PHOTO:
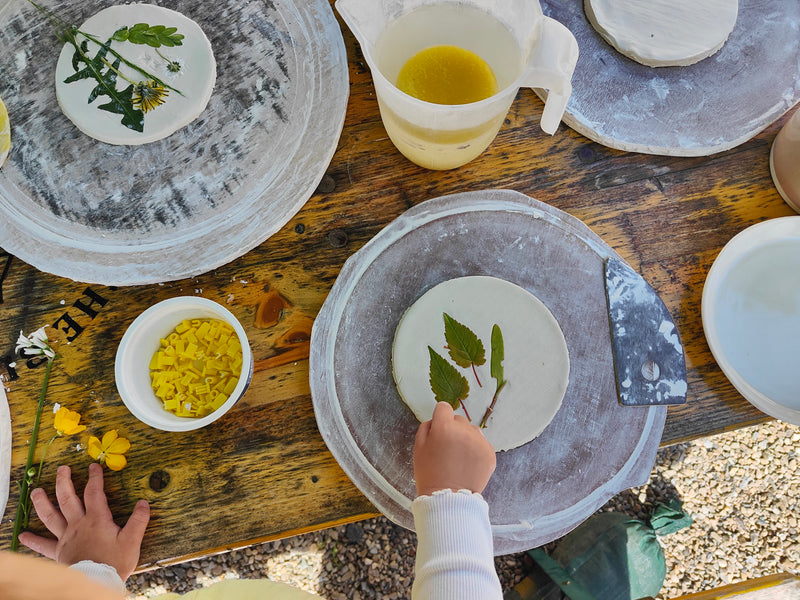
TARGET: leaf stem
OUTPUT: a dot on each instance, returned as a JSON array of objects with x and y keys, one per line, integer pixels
[
  {"x": 24, "y": 505},
  {"x": 118, "y": 72},
  {"x": 490, "y": 410},
  {"x": 52, "y": 17},
  {"x": 172, "y": 65},
  {"x": 476, "y": 375},
  {"x": 464, "y": 406}
]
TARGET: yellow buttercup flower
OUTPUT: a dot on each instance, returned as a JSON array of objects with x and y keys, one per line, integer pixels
[
  {"x": 110, "y": 450},
  {"x": 67, "y": 422}
]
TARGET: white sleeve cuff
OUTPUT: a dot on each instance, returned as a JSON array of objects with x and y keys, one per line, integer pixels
[
  {"x": 101, "y": 573},
  {"x": 455, "y": 555}
]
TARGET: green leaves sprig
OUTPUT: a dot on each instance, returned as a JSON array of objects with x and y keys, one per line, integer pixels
[
  {"x": 467, "y": 351},
  {"x": 155, "y": 36},
  {"x": 139, "y": 97},
  {"x": 105, "y": 73},
  {"x": 495, "y": 370}
]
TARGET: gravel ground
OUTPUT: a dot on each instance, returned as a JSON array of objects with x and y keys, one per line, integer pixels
[{"x": 741, "y": 488}]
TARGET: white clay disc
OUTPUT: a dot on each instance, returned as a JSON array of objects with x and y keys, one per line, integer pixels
[
  {"x": 195, "y": 79},
  {"x": 664, "y": 33},
  {"x": 536, "y": 365}
]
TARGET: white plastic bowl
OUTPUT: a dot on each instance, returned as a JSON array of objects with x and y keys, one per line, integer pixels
[
  {"x": 751, "y": 315},
  {"x": 140, "y": 342}
]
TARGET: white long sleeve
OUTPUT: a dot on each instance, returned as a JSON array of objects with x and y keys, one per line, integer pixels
[
  {"x": 101, "y": 573},
  {"x": 455, "y": 557}
]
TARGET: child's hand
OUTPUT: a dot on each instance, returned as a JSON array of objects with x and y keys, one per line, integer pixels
[
  {"x": 86, "y": 530},
  {"x": 449, "y": 453}
]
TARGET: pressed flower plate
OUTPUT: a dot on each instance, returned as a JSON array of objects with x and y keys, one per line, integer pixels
[{"x": 165, "y": 111}]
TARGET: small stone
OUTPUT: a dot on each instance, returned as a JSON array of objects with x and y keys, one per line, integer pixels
[{"x": 354, "y": 532}]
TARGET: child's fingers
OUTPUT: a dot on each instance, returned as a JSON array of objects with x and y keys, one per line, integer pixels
[
  {"x": 94, "y": 496},
  {"x": 48, "y": 514},
  {"x": 462, "y": 419},
  {"x": 68, "y": 501},
  {"x": 423, "y": 431},
  {"x": 134, "y": 529},
  {"x": 442, "y": 414},
  {"x": 42, "y": 545}
]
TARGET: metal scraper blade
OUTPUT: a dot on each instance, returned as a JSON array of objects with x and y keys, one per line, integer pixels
[{"x": 649, "y": 364}]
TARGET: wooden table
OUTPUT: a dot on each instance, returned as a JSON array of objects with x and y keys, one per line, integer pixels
[{"x": 263, "y": 471}]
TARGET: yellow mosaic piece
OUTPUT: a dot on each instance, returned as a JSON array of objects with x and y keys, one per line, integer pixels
[{"x": 197, "y": 367}]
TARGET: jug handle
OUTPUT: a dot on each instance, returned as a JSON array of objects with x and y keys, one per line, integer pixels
[{"x": 551, "y": 67}]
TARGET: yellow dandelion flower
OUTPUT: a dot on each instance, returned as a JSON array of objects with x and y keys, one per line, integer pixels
[
  {"x": 67, "y": 422},
  {"x": 148, "y": 95},
  {"x": 110, "y": 450}
]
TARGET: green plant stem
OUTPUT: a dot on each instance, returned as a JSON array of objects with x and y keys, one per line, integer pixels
[
  {"x": 52, "y": 17},
  {"x": 68, "y": 36},
  {"x": 41, "y": 460},
  {"x": 134, "y": 66},
  {"x": 164, "y": 57},
  {"x": 490, "y": 409},
  {"x": 118, "y": 72},
  {"x": 24, "y": 505}
]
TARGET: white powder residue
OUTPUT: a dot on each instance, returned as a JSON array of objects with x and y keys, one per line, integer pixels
[
  {"x": 667, "y": 329},
  {"x": 660, "y": 87}
]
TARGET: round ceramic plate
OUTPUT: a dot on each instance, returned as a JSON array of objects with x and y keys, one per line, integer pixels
[
  {"x": 751, "y": 315},
  {"x": 210, "y": 192},
  {"x": 710, "y": 106},
  {"x": 592, "y": 449}
]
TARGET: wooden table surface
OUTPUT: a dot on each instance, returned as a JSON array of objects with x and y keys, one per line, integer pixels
[{"x": 263, "y": 472}]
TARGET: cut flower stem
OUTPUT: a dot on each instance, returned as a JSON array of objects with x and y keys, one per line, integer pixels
[{"x": 24, "y": 505}]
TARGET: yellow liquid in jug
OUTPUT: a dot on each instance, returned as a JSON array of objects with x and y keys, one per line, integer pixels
[
  {"x": 465, "y": 28},
  {"x": 447, "y": 74}
]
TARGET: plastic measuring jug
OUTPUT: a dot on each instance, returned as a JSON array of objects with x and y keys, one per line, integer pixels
[{"x": 523, "y": 47}]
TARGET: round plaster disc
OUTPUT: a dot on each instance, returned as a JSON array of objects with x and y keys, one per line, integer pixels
[
  {"x": 664, "y": 33},
  {"x": 535, "y": 363},
  {"x": 194, "y": 81}
]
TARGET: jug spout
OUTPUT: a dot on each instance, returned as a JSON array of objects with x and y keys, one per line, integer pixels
[
  {"x": 365, "y": 19},
  {"x": 551, "y": 65}
]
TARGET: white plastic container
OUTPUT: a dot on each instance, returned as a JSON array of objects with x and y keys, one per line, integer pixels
[
  {"x": 140, "y": 342},
  {"x": 751, "y": 315},
  {"x": 522, "y": 46}
]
